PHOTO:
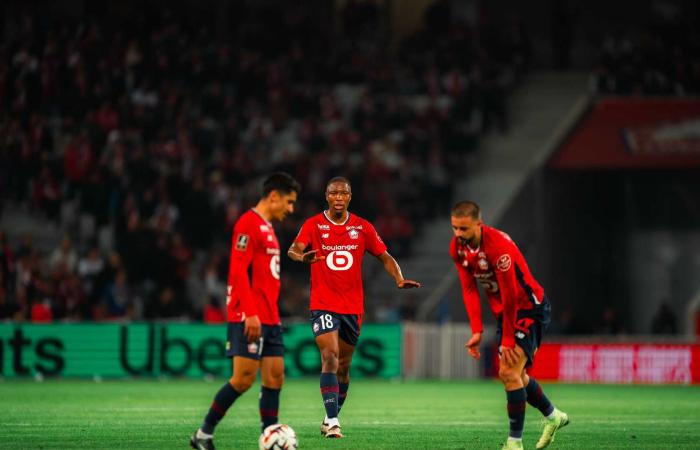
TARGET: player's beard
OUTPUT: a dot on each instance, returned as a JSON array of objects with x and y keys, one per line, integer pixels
[{"x": 464, "y": 241}]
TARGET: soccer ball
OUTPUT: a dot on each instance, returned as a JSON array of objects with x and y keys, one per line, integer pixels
[{"x": 278, "y": 437}]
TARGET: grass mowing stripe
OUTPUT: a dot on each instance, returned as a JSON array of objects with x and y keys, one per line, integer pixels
[{"x": 378, "y": 414}]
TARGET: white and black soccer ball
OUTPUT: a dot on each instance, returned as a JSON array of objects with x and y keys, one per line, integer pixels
[{"x": 278, "y": 437}]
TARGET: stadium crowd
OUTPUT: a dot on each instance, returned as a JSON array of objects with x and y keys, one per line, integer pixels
[
  {"x": 663, "y": 59},
  {"x": 158, "y": 127}
]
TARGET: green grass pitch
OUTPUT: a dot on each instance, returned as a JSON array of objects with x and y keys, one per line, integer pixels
[{"x": 378, "y": 415}]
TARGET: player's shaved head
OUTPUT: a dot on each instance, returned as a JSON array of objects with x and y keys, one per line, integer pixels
[
  {"x": 338, "y": 180},
  {"x": 466, "y": 208}
]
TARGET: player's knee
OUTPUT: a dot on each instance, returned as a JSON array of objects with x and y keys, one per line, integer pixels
[
  {"x": 509, "y": 376},
  {"x": 343, "y": 372},
  {"x": 329, "y": 356},
  {"x": 274, "y": 380},
  {"x": 242, "y": 382}
]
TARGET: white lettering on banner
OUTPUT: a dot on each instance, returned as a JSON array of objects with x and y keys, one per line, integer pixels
[
  {"x": 275, "y": 267},
  {"x": 575, "y": 363},
  {"x": 625, "y": 364},
  {"x": 322, "y": 226},
  {"x": 272, "y": 251},
  {"x": 339, "y": 260},
  {"x": 663, "y": 365},
  {"x": 615, "y": 364},
  {"x": 332, "y": 248}
]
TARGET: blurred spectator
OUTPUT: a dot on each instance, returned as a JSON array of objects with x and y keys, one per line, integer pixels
[
  {"x": 70, "y": 299},
  {"x": 64, "y": 257},
  {"x": 118, "y": 299},
  {"x": 166, "y": 304},
  {"x": 408, "y": 309},
  {"x": 41, "y": 311},
  {"x": 609, "y": 323},
  {"x": 8, "y": 310},
  {"x": 90, "y": 269},
  {"x": 664, "y": 320},
  {"x": 385, "y": 312},
  {"x": 659, "y": 59},
  {"x": 213, "y": 313},
  {"x": 7, "y": 264}
]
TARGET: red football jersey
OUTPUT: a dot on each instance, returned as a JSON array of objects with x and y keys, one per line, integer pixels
[
  {"x": 501, "y": 269},
  {"x": 336, "y": 282},
  {"x": 255, "y": 248}
]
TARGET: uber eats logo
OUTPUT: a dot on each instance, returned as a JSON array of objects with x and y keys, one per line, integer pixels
[
  {"x": 174, "y": 355},
  {"x": 153, "y": 349},
  {"x": 109, "y": 350},
  {"x": 46, "y": 354}
]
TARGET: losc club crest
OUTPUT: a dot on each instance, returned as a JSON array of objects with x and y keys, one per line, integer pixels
[
  {"x": 253, "y": 347},
  {"x": 353, "y": 234},
  {"x": 316, "y": 327},
  {"x": 483, "y": 265},
  {"x": 504, "y": 262}
]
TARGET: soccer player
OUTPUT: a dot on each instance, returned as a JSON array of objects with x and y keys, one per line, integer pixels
[
  {"x": 338, "y": 241},
  {"x": 254, "y": 336},
  {"x": 489, "y": 257}
]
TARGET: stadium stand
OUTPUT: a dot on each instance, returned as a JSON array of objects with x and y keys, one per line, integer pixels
[{"x": 142, "y": 138}]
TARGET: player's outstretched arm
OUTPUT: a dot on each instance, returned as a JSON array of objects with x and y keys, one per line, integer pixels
[
  {"x": 393, "y": 269},
  {"x": 296, "y": 253},
  {"x": 472, "y": 345}
]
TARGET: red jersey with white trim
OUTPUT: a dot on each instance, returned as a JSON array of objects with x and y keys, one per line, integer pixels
[
  {"x": 501, "y": 269},
  {"x": 254, "y": 249},
  {"x": 336, "y": 282}
]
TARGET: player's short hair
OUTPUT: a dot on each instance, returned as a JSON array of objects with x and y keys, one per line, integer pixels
[
  {"x": 338, "y": 180},
  {"x": 281, "y": 182},
  {"x": 466, "y": 208}
]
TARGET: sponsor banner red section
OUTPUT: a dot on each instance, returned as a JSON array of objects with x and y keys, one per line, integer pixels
[
  {"x": 618, "y": 363},
  {"x": 624, "y": 133}
]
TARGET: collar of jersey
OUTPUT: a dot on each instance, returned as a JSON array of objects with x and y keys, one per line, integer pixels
[
  {"x": 260, "y": 215},
  {"x": 339, "y": 224}
]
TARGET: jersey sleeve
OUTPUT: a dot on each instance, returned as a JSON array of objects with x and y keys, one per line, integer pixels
[
  {"x": 502, "y": 261},
  {"x": 373, "y": 243},
  {"x": 470, "y": 294},
  {"x": 242, "y": 251},
  {"x": 304, "y": 235}
]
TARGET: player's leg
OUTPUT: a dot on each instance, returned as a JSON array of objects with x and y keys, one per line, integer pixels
[
  {"x": 554, "y": 419},
  {"x": 349, "y": 334},
  {"x": 325, "y": 325},
  {"x": 272, "y": 373},
  {"x": 245, "y": 364},
  {"x": 344, "y": 361},
  {"x": 535, "y": 395},
  {"x": 510, "y": 375},
  {"x": 244, "y": 373},
  {"x": 329, "y": 348}
]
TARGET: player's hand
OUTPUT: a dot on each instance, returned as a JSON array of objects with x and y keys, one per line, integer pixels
[
  {"x": 310, "y": 257},
  {"x": 510, "y": 356},
  {"x": 407, "y": 284},
  {"x": 472, "y": 345},
  {"x": 252, "y": 328}
]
